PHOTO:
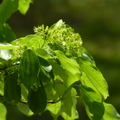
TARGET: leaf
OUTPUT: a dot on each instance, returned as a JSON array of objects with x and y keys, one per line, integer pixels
[
  {"x": 12, "y": 91},
  {"x": 110, "y": 113},
  {"x": 24, "y": 93},
  {"x": 29, "y": 69},
  {"x": 24, "y": 5},
  {"x": 1, "y": 88},
  {"x": 69, "y": 64},
  {"x": 24, "y": 109},
  {"x": 3, "y": 112},
  {"x": 71, "y": 79},
  {"x": 50, "y": 91},
  {"x": 37, "y": 100},
  {"x": 69, "y": 102},
  {"x": 96, "y": 79},
  {"x": 35, "y": 41},
  {"x": 58, "y": 71},
  {"x": 1, "y": 91},
  {"x": 88, "y": 59},
  {"x": 5, "y": 54},
  {"x": 7, "y": 7},
  {"x": 54, "y": 109},
  {"x": 6, "y": 34},
  {"x": 93, "y": 103},
  {"x": 7, "y": 46},
  {"x": 43, "y": 54}
]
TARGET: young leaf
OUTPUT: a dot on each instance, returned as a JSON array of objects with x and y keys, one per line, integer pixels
[
  {"x": 7, "y": 7},
  {"x": 24, "y": 5},
  {"x": 29, "y": 68},
  {"x": 35, "y": 41},
  {"x": 110, "y": 113},
  {"x": 37, "y": 100},
  {"x": 3, "y": 112},
  {"x": 12, "y": 91}
]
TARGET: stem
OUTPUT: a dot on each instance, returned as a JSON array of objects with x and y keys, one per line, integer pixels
[
  {"x": 25, "y": 102},
  {"x": 8, "y": 66}
]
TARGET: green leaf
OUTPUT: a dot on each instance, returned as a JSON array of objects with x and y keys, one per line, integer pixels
[
  {"x": 5, "y": 54},
  {"x": 24, "y": 109},
  {"x": 12, "y": 91},
  {"x": 6, "y": 34},
  {"x": 1, "y": 88},
  {"x": 54, "y": 109},
  {"x": 50, "y": 91},
  {"x": 68, "y": 109},
  {"x": 93, "y": 102},
  {"x": 37, "y": 100},
  {"x": 3, "y": 112},
  {"x": 110, "y": 113},
  {"x": 95, "y": 78},
  {"x": 24, "y": 5},
  {"x": 58, "y": 71},
  {"x": 7, "y": 46},
  {"x": 69, "y": 64},
  {"x": 1, "y": 91},
  {"x": 71, "y": 79},
  {"x": 29, "y": 70},
  {"x": 43, "y": 54},
  {"x": 24, "y": 93},
  {"x": 87, "y": 57},
  {"x": 7, "y": 7},
  {"x": 35, "y": 41}
]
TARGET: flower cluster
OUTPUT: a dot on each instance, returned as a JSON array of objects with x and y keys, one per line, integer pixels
[{"x": 61, "y": 37}]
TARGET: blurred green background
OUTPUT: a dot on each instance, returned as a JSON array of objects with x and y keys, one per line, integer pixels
[{"x": 97, "y": 21}]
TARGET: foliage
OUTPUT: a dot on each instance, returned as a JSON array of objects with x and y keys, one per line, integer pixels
[{"x": 50, "y": 70}]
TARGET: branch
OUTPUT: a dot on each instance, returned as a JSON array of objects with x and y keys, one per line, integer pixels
[
  {"x": 25, "y": 102},
  {"x": 8, "y": 66}
]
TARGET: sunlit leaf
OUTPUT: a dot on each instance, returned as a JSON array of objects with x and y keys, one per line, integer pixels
[
  {"x": 7, "y": 47},
  {"x": 69, "y": 64},
  {"x": 7, "y": 7},
  {"x": 87, "y": 57},
  {"x": 24, "y": 108},
  {"x": 1, "y": 88},
  {"x": 68, "y": 109},
  {"x": 3, "y": 112},
  {"x": 110, "y": 113},
  {"x": 35, "y": 41},
  {"x": 54, "y": 109},
  {"x": 96, "y": 78},
  {"x": 59, "y": 71},
  {"x": 43, "y": 54},
  {"x": 5, "y": 54},
  {"x": 71, "y": 79},
  {"x": 24, "y": 5}
]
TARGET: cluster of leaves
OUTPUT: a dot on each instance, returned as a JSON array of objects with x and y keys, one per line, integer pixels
[{"x": 51, "y": 70}]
